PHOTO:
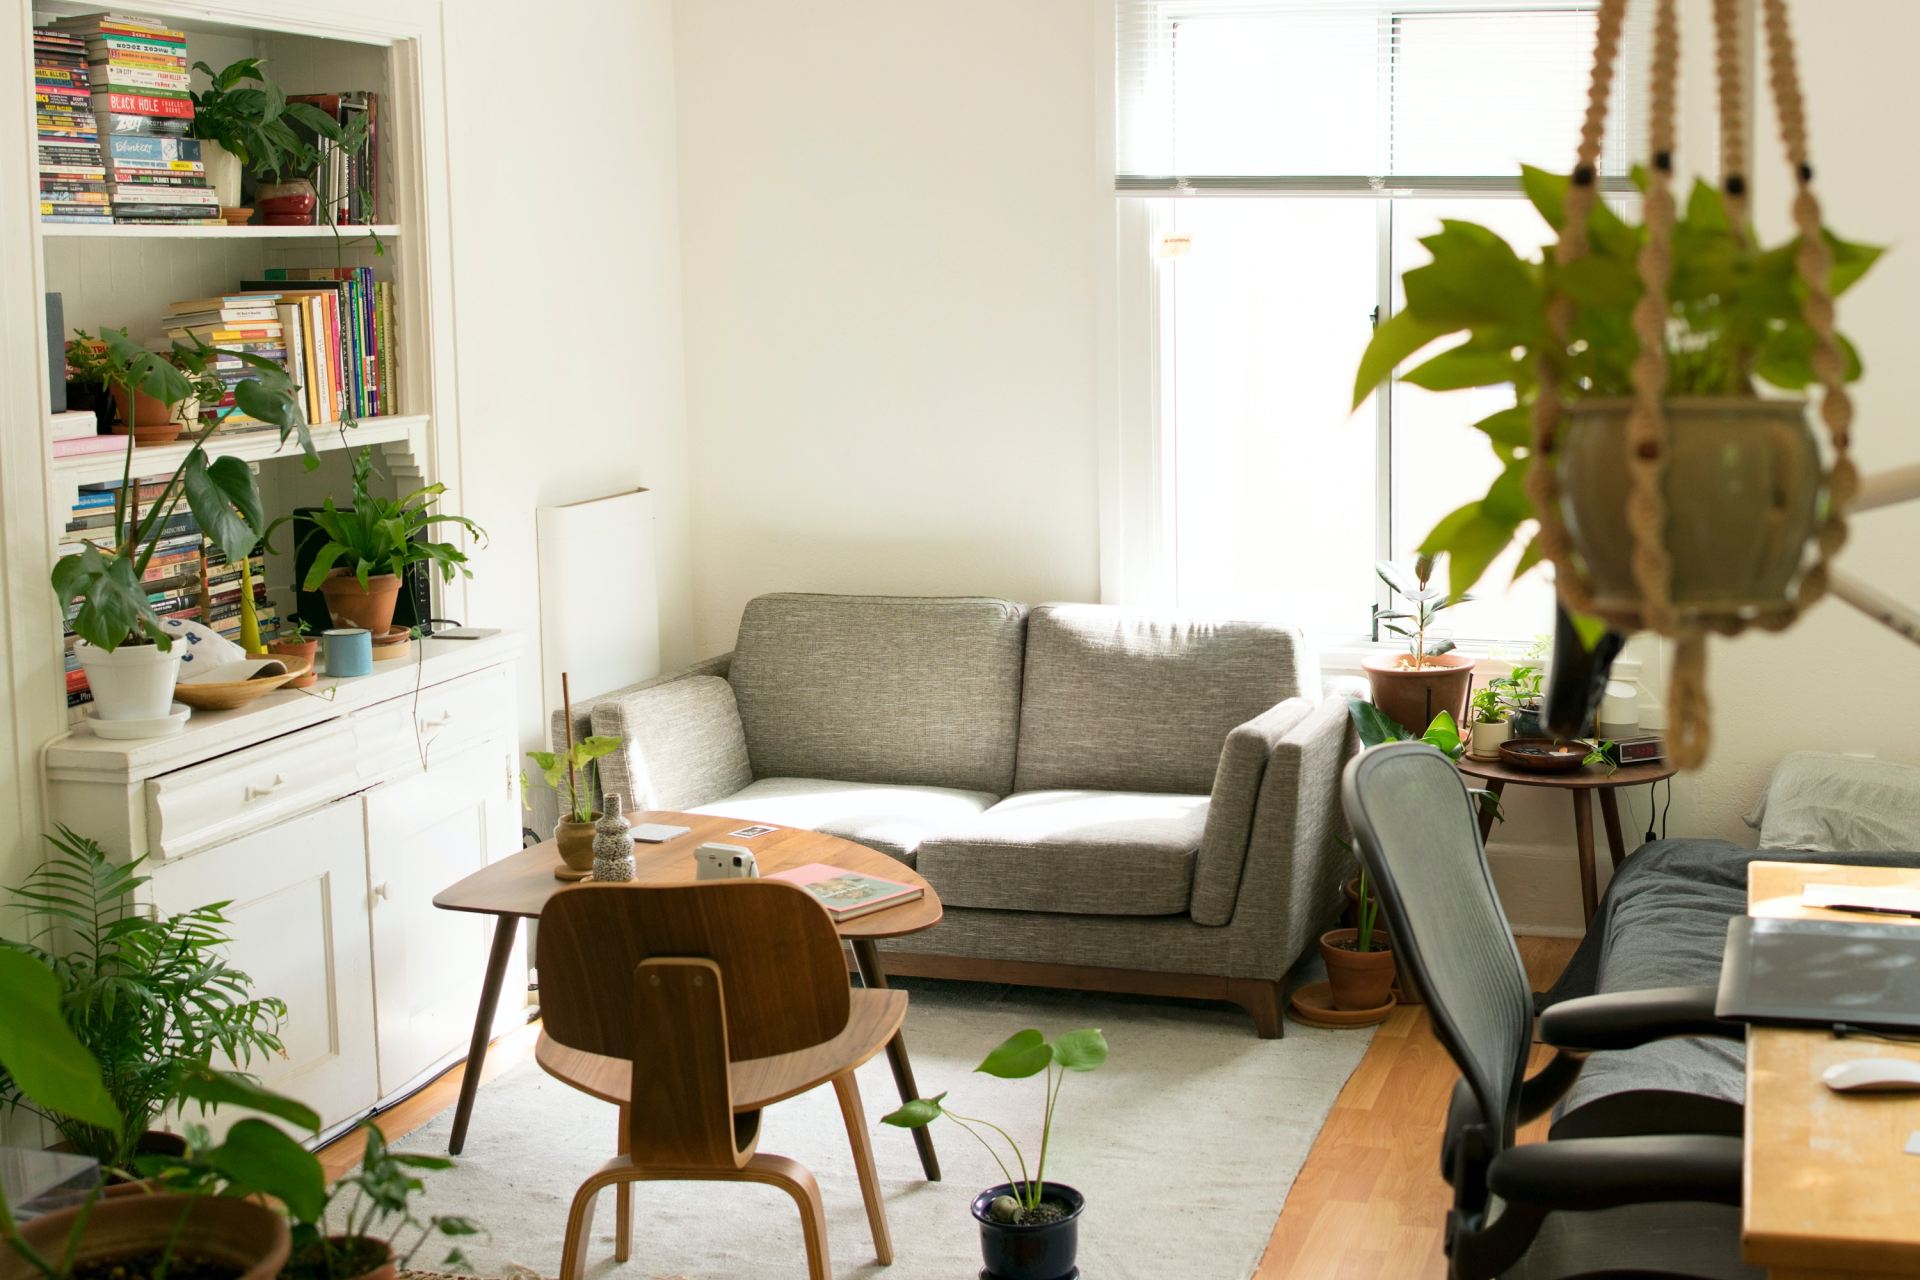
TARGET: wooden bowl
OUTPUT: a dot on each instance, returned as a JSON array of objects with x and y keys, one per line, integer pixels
[
  {"x": 228, "y": 694},
  {"x": 1544, "y": 755}
]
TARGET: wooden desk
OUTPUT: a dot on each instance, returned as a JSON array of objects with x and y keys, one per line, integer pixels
[
  {"x": 1580, "y": 785},
  {"x": 518, "y": 887},
  {"x": 1830, "y": 1194}
]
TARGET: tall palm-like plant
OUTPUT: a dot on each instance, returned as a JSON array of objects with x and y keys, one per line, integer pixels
[{"x": 151, "y": 996}]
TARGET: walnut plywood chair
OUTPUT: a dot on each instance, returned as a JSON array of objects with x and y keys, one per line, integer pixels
[{"x": 692, "y": 1008}]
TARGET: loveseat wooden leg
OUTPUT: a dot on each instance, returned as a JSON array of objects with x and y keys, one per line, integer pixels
[{"x": 1263, "y": 998}]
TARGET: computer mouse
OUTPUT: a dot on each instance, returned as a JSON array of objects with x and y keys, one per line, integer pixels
[{"x": 1873, "y": 1075}]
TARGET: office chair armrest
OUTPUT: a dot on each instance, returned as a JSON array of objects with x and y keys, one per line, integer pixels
[
  {"x": 1606, "y": 1173},
  {"x": 1629, "y": 1019}
]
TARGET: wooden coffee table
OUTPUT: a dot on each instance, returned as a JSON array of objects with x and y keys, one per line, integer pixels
[{"x": 518, "y": 887}]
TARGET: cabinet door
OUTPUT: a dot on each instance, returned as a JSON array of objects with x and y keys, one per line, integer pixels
[
  {"x": 299, "y": 928},
  {"x": 424, "y": 832}
]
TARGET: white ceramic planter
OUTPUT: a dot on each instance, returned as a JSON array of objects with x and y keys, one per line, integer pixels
[
  {"x": 223, "y": 173},
  {"x": 134, "y": 682},
  {"x": 1488, "y": 737}
]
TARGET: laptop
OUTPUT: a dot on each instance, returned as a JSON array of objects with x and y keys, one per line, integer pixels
[{"x": 1821, "y": 972}]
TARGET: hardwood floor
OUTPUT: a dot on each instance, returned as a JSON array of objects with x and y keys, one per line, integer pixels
[
  {"x": 1370, "y": 1202},
  {"x": 1368, "y": 1205}
]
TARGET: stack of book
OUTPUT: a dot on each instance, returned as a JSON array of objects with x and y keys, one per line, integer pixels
[
  {"x": 138, "y": 72},
  {"x": 224, "y": 591},
  {"x": 361, "y": 332},
  {"x": 77, "y": 432},
  {"x": 73, "y": 181},
  {"x": 348, "y": 183},
  {"x": 236, "y": 322},
  {"x": 174, "y": 579}
]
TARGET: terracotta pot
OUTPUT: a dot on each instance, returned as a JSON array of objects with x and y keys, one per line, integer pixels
[
  {"x": 239, "y": 1233},
  {"x": 1360, "y": 979},
  {"x": 1413, "y": 696},
  {"x": 308, "y": 648},
  {"x": 153, "y": 422},
  {"x": 1742, "y": 482},
  {"x": 576, "y": 842},
  {"x": 1405, "y": 990},
  {"x": 388, "y": 1268},
  {"x": 351, "y": 605}
]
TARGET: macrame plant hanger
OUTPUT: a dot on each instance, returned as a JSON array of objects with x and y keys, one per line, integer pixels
[{"x": 1648, "y": 431}]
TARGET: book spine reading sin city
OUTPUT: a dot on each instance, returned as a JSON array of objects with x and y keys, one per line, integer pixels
[
  {"x": 73, "y": 180},
  {"x": 137, "y": 77}
]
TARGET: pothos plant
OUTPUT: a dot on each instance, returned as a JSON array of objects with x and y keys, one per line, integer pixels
[
  {"x": 570, "y": 769},
  {"x": 244, "y": 111},
  {"x": 105, "y": 576},
  {"x": 1735, "y": 322},
  {"x": 1021, "y": 1056}
]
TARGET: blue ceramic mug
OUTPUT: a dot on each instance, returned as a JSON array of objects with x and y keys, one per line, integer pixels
[{"x": 349, "y": 651}]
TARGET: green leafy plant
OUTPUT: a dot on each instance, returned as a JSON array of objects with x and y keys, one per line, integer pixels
[
  {"x": 1487, "y": 705},
  {"x": 150, "y": 996},
  {"x": 1497, "y": 699},
  {"x": 565, "y": 768},
  {"x": 1603, "y": 752},
  {"x": 1426, "y": 602},
  {"x": 372, "y": 1216},
  {"x": 221, "y": 493},
  {"x": 294, "y": 629},
  {"x": 1735, "y": 321},
  {"x": 244, "y": 111},
  {"x": 1373, "y": 727},
  {"x": 377, "y": 535},
  {"x": 1022, "y": 1055}
]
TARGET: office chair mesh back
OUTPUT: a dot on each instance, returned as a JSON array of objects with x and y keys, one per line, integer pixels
[{"x": 1417, "y": 836}]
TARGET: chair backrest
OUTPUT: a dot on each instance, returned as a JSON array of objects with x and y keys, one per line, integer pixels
[
  {"x": 1418, "y": 838},
  {"x": 783, "y": 972}
]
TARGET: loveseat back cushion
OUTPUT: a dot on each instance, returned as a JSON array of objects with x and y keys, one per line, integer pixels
[
  {"x": 903, "y": 689},
  {"x": 1121, "y": 701}
]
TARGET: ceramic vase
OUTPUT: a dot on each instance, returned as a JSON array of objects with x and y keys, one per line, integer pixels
[
  {"x": 613, "y": 844},
  {"x": 223, "y": 172}
]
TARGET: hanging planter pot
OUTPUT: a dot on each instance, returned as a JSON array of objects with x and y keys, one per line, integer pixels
[{"x": 1742, "y": 482}]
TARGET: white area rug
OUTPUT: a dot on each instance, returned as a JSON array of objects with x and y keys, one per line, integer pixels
[{"x": 1185, "y": 1145}]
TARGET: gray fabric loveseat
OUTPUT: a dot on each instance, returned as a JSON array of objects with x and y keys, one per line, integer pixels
[{"x": 1104, "y": 800}]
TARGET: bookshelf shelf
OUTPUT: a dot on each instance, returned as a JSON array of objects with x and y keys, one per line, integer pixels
[
  {"x": 124, "y": 231},
  {"x": 250, "y": 447}
]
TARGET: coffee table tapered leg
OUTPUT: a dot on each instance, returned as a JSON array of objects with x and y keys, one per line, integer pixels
[
  {"x": 867, "y": 956},
  {"x": 504, "y": 929}
]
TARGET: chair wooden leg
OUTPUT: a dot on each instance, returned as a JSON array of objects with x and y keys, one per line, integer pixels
[
  {"x": 573, "y": 1250},
  {"x": 848, "y": 1091},
  {"x": 797, "y": 1181},
  {"x": 623, "y": 1200}
]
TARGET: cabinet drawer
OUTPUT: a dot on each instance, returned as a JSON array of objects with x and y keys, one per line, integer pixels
[
  {"x": 403, "y": 733},
  {"x": 192, "y": 808}
]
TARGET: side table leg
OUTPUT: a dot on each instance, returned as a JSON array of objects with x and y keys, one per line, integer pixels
[
  {"x": 504, "y": 929},
  {"x": 1497, "y": 786},
  {"x": 1610, "y": 814},
  {"x": 871, "y": 975},
  {"x": 1583, "y": 835}
]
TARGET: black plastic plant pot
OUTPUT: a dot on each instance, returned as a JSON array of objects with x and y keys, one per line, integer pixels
[{"x": 1043, "y": 1251}]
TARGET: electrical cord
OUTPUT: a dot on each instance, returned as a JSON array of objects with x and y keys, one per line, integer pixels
[{"x": 1844, "y": 1030}]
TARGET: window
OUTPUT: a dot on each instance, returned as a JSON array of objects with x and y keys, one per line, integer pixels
[{"x": 1279, "y": 162}]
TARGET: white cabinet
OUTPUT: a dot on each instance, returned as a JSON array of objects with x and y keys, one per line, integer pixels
[
  {"x": 299, "y": 927},
  {"x": 423, "y": 833}
]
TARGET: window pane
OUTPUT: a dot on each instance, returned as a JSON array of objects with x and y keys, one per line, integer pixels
[
  {"x": 1270, "y": 477},
  {"x": 1439, "y": 461}
]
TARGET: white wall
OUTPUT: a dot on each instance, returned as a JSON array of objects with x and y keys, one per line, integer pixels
[
  {"x": 567, "y": 295},
  {"x": 887, "y": 210}
]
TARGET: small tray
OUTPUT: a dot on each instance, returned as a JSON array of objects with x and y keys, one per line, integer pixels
[
  {"x": 397, "y": 643},
  {"x": 228, "y": 694},
  {"x": 1544, "y": 755},
  {"x": 1313, "y": 1005}
]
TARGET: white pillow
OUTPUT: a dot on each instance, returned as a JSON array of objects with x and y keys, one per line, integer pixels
[{"x": 1839, "y": 804}]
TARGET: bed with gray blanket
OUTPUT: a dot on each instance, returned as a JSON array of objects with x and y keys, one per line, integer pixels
[{"x": 1663, "y": 923}]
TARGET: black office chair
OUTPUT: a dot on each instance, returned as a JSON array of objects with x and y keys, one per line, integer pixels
[{"x": 1658, "y": 1204}]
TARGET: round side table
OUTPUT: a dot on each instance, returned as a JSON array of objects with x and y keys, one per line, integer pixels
[{"x": 1581, "y": 784}]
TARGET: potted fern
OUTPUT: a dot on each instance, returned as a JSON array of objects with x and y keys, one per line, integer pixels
[
  {"x": 128, "y": 656},
  {"x": 150, "y": 996},
  {"x": 1029, "y": 1227}
]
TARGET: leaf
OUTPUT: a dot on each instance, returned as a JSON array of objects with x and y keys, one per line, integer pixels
[
  {"x": 115, "y": 601},
  {"x": 1529, "y": 557},
  {"x": 226, "y": 1088},
  {"x": 258, "y": 1157},
  {"x": 1080, "y": 1050},
  {"x": 225, "y": 502},
  {"x": 1372, "y": 725},
  {"x": 1475, "y": 278},
  {"x": 915, "y": 1114},
  {"x": 1444, "y": 734},
  {"x": 1511, "y": 427},
  {"x": 1706, "y": 208},
  {"x": 1395, "y": 340},
  {"x": 1475, "y": 545},
  {"x": 45, "y": 1060},
  {"x": 1464, "y": 366},
  {"x": 1605, "y": 283},
  {"x": 1402, "y": 582},
  {"x": 1588, "y": 628},
  {"x": 1022, "y": 1054}
]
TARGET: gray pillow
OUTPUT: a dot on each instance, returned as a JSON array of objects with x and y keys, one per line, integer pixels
[{"x": 1832, "y": 803}]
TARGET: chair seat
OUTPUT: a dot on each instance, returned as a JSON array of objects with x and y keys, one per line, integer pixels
[
  {"x": 893, "y": 819},
  {"x": 872, "y": 1020}
]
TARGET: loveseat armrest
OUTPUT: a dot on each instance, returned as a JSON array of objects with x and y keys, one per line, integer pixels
[
  {"x": 682, "y": 744},
  {"x": 583, "y": 709},
  {"x": 1237, "y": 779}
]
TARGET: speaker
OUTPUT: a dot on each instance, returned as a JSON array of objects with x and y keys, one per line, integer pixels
[{"x": 413, "y": 608}]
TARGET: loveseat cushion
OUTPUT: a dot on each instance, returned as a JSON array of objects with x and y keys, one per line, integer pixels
[
  {"x": 1121, "y": 701},
  {"x": 1075, "y": 852},
  {"x": 892, "y": 819},
  {"x": 896, "y": 689}
]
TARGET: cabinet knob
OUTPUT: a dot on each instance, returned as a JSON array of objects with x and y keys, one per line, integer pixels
[
  {"x": 383, "y": 891},
  {"x": 256, "y": 792}
]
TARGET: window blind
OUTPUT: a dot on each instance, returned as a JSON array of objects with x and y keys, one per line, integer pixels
[{"x": 1343, "y": 96}]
